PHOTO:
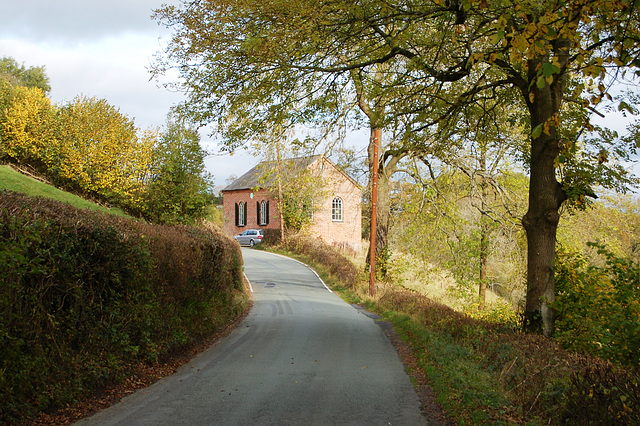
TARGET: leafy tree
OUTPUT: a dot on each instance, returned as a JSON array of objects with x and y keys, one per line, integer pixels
[
  {"x": 554, "y": 55},
  {"x": 461, "y": 230},
  {"x": 19, "y": 75},
  {"x": 178, "y": 190},
  {"x": 485, "y": 159},
  {"x": 102, "y": 153},
  {"x": 298, "y": 201},
  {"x": 27, "y": 126}
]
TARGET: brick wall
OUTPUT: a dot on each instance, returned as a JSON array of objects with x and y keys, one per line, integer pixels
[
  {"x": 348, "y": 231},
  {"x": 231, "y": 198}
]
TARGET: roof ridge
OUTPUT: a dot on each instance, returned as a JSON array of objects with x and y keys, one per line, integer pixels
[{"x": 251, "y": 179}]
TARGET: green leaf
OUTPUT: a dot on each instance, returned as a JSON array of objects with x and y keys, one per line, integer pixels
[
  {"x": 498, "y": 36},
  {"x": 625, "y": 107},
  {"x": 548, "y": 69},
  {"x": 537, "y": 131},
  {"x": 541, "y": 82}
]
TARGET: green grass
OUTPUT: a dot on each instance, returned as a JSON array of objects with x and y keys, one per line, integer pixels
[{"x": 15, "y": 181}]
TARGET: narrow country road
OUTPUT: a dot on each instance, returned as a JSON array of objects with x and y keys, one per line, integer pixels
[{"x": 301, "y": 357}]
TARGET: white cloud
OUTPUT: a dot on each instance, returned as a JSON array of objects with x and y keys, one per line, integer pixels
[
  {"x": 115, "y": 69},
  {"x": 94, "y": 48}
]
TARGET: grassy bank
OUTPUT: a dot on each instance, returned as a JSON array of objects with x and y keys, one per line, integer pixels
[
  {"x": 13, "y": 180},
  {"x": 487, "y": 372}
]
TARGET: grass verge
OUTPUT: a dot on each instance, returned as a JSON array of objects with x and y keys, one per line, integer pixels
[{"x": 485, "y": 372}]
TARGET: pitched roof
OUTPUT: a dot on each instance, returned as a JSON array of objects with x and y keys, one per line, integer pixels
[{"x": 262, "y": 174}]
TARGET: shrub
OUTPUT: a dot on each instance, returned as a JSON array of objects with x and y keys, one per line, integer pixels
[
  {"x": 599, "y": 306},
  {"x": 319, "y": 252},
  {"x": 604, "y": 394},
  {"x": 498, "y": 312},
  {"x": 27, "y": 126},
  {"x": 271, "y": 237},
  {"x": 86, "y": 296}
]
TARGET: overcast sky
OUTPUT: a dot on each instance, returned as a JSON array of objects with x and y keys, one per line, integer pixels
[{"x": 101, "y": 49}]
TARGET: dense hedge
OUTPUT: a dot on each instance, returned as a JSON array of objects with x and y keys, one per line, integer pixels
[
  {"x": 319, "y": 252},
  {"x": 85, "y": 296}
]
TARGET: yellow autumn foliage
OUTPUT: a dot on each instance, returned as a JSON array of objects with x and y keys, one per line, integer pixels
[
  {"x": 28, "y": 127},
  {"x": 103, "y": 151},
  {"x": 86, "y": 145}
]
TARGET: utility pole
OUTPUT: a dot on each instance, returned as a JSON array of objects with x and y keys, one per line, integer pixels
[
  {"x": 374, "y": 212},
  {"x": 280, "y": 200}
]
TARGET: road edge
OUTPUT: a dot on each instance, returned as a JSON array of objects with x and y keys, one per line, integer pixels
[{"x": 429, "y": 407}]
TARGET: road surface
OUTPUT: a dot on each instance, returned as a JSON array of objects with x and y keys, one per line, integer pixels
[{"x": 301, "y": 357}]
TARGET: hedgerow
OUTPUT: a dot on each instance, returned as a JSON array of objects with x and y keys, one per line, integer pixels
[
  {"x": 85, "y": 296},
  {"x": 319, "y": 252}
]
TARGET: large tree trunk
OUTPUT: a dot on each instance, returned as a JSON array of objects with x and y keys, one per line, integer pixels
[
  {"x": 540, "y": 224},
  {"x": 541, "y": 220},
  {"x": 484, "y": 227}
]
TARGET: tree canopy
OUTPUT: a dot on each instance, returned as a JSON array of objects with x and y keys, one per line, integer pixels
[
  {"x": 178, "y": 188},
  {"x": 248, "y": 64},
  {"x": 20, "y": 75}
]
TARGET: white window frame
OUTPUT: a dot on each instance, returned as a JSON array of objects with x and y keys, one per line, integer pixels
[
  {"x": 336, "y": 209},
  {"x": 242, "y": 214},
  {"x": 264, "y": 212}
]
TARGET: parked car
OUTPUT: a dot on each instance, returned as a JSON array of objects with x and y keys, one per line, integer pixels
[{"x": 250, "y": 237}]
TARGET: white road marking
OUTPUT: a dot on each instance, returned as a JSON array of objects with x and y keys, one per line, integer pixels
[{"x": 248, "y": 281}]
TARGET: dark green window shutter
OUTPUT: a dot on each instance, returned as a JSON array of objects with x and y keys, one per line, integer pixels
[{"x": 258, "y": 213}]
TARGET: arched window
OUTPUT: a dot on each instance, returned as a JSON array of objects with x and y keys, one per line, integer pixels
[
  {"x": 241, "y": 214},
  {"x": 336, "y": 209}
]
